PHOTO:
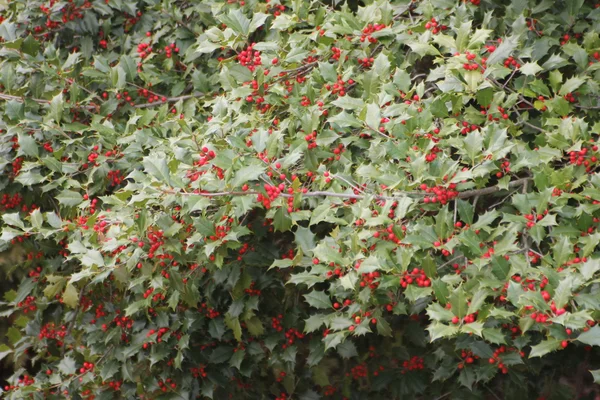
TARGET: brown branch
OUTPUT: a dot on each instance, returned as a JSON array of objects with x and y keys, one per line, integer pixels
[
  {"x": 491, "y": 189},
  {"x": 40, "y": 101}
]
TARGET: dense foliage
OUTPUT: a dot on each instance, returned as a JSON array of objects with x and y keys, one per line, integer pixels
[{"x": 300, "y": 200}]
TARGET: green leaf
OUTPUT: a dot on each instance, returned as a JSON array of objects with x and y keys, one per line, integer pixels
[
  {"x": 282, "y": 221},
  {"x": 373, "y": 116},
  {"x": 318, "y": 299},
  {"x": 92, "y": 257},
  {"x": 347, "y": 350},
  {"x": 563, "y": 292},
  {"x": 562, "y": 250},
  {"x": 72, "y": 59},
  {"x": 530, "y": 68},
  {"x": 544, "y": 347},
  {"x": 67, "y": 366},
  {"x": 473, "y": 143},
  {"x": 467, "y": 377},
  {"x": 30, "y": 45},
  {"x": 438, "y": 330},
  {"x": 14, "y": 110},
  {"x": 458, "y": 301},
  {"x": 305, "y": 239},
  {"x": 57, "y": 107},
  {"x": 333, "y": 340},
  {"x": 69, "y": 198},
  {"x": 505, "y": 49},
  {"x": 28, "y": 145},
  {"x": 246, "y": 174},
  {"x": 596, "y": 375},
  {"x": 13, "y": 219},
  {"x": 237, "y": 21},
  {"x": 571, "y": 85},
  {"x": 348, "y": 103},
  {"x": 36, "y": 218},
  {"x": 258, "y": 20},
  {"x": 70, "y": 297},
  {"x": 479, "y": 37},
  {"x": 381, "y": 65},
  {"x": 591, "y": 337},
  {"x": 255, "y": 326},
  {"x": 234, "y": 325},
  {"x": 589, "y": 268},
  {"x": 156, "y": 165},
  {"x": 313, "y": 323}
]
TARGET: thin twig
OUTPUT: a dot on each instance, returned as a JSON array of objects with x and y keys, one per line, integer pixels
[
  {"x": 170, "y": 100},
  {"x": 450, "y": 262}
]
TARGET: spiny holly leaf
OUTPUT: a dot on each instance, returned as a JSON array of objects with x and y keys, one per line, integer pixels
[
  {"x": 591, "y": 337},
  {"x": 318, "y": 299},
  {"x": 544, "y": 347}
]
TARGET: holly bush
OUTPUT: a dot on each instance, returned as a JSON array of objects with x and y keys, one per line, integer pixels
[{"x": 299, "y": 199}]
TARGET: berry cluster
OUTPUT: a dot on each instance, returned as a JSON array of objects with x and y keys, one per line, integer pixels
[
  {"x": 369, "y": 279},
  {"x": 336, "y": 53},
  {"x": 339, "y": 87},
  {"x": 209, "y": 312},
  {"x": 35, "y": 273},
  {"x": 249, "y": 57},
  {"x": 467, "y": 319},
  {"x": 416, "y": 276},
  {"x": 434, "y": 26},
  {"x": 50, "y": 331},
  {"x": 199, "y": 371},
  {"x": 114, "y": 385},
  {"x": 276, "y": 9},
  {"x": 144, "y": 50},
  {"x": 505, "y": 166},
  {"x": 291, "y": 335},
  {"x": 511, "y": 62},
  {"x": 468, "y": 358},
  {"x": 368, "y": 30},
  {"x": 25, "y": 380},
  {"x": 16, "y": 165},
  {"x": 346, "y": 303},
  {"x": 430, "y": 157},
  {"x": 115, "y": 177},
  {"x": 282, "y": 375},
  {"x": 8, "y": 202},
  {"x": 365, "y": 62},
  {"x": 466, "y": 127},
  {"x": 582, "y": 157},
  {"x": 359, "y": 371},
  {"x": 329, "y": 390},
  {"x": 170, "y": 49},
  {"x": 28, "y": 304},
  {"x": 87, "y": 367},
  {"x": 441, "y": 194},
  {"x": 496, "y": 358},
  {"x": 570, "y": 98},
  {"x": 311, "y": 138},
  {"x": 276, "y": 323},
  {"x": 468, "y": 65},
  {"x": 168, "y": 383},
  {"x": 149, "y": 95},
  {"x": 272, "y": 193},
  {"x": 251, "y": 291},
  {"x": 415, "y": 363}
]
